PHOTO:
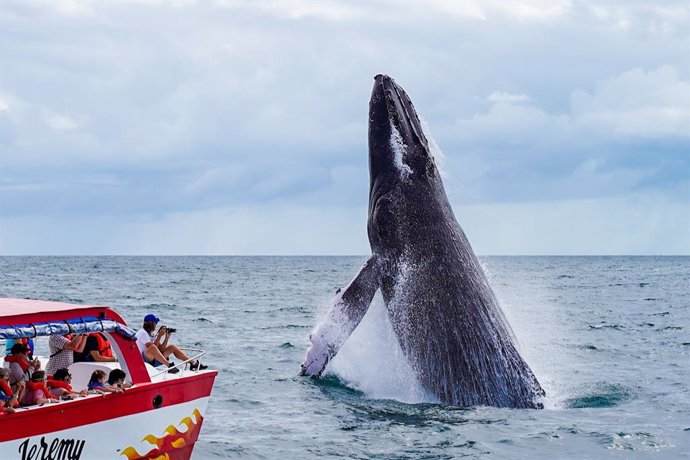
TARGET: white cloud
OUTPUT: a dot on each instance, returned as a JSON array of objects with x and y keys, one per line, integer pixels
[
  {"x": 653, "y": 103},
  {"x": 61, "y": 122},
  {"x": 299, "y": 9},
  {"x": 507, "y": 98},
  {"x": 188, "y": 106},
  {"x": 470, "y": 9},
  {"x": 71, "y": 7},
  {"x": 640, "y": 16},
  {"x": 636, "y": 102},
  {"x": 536, "y": 10},
  {"x": 509, "y": 123}
]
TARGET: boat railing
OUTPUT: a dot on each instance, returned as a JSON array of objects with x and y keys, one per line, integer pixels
[{"x": 199, "y": 353}]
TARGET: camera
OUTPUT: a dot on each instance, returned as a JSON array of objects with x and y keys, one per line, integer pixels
[{"x": 170, "y": 329}]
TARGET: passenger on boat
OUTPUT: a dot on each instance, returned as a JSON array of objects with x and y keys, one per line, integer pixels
[
  {"x": 97, "y": 349},
  {"x": 8, "y": 398},
  {"x": 9, "y": 343},
  {"x": 20, "y": 366},
  {"x": 97, "y": 384},
  {"x": 62, "y": 350},
  {"x": 116, "y": 378},
  {"x": 36, "y": 391},
  {"x": 154, "y": 346},
  {"x": 61, "y": 385}
]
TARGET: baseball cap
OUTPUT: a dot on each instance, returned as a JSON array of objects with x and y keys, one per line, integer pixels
[{"x": 151, "y": 318}]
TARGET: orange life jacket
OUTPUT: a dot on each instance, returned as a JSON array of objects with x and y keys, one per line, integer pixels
[{"x": 103, "y": 345}]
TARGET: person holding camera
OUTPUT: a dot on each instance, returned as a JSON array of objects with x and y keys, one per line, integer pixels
[
  {"x": 155, "y": 347},
  {"x": 62, "y": 350}
]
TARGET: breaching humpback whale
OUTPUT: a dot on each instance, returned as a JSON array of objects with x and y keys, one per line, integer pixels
[{"x": 444, "y": 313}]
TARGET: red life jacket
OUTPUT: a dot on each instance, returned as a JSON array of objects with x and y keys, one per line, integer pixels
[
  {"x": 5, "y": 388},
  {"x": 33, "y": 386},
  {"x": 60, "y": 384},
  {"x": 21, "y": 360}
]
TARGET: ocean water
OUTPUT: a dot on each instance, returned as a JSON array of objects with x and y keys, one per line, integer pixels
[{"x": 608, "y": 338}]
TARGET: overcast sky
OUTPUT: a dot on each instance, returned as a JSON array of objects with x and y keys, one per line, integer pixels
[{"x": 240, "y": 127}]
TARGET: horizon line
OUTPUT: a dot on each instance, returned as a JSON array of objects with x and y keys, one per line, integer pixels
[{"x": 330, "y": 255}]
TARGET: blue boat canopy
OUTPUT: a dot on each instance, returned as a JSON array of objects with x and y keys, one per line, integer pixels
[{"x": 81, "y": 325}]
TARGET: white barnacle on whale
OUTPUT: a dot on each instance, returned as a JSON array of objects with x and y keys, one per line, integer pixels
[{"x": 398, "y": 147}]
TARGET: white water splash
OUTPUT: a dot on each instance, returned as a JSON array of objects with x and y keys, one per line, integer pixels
[
  {"x": 371, "y": 361},
  {"x": 399, "y": 147},
  {"x": 535, "y": 339},
  {"x": 434, "y": 149}
]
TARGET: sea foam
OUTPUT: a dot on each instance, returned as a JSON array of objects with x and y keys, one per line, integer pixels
[{"x": 372, "y": 361}]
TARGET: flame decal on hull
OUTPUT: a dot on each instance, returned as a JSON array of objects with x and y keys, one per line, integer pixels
[{"x": 173, "y": 443}]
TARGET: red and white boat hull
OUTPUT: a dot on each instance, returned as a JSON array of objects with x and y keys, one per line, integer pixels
[{"x": 113, "y": 426}]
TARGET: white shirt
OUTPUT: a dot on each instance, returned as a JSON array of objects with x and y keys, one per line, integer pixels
[{"x": 143, "y": 338}]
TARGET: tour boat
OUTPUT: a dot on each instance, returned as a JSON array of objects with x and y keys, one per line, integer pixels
[{"x": 159, "y": 417}]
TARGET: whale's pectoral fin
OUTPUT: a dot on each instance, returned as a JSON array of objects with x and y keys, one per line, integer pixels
[{"x": 349, "y": 306}]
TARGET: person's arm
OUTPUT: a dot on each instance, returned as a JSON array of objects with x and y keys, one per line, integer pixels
[
  {"x": 162, "y": 333},
  {"x": 166, "y": 338},
  {"x": 112, "y": 389},
  {"x": 77, "y": 344},
  {"x": 98, "y": 357},
  {"x": 35, "y": 365}
]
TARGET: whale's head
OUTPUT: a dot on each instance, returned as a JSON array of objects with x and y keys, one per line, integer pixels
[
  {"x": 404, "y": 179},
  {"x": 397, "y": 144}
]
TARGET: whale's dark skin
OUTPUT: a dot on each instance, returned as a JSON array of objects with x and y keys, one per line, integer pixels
[{"x": 445, "y": 315}]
